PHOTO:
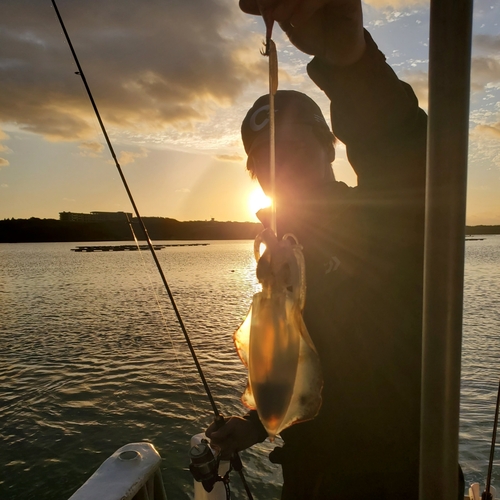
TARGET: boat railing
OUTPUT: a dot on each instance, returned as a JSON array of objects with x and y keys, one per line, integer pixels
[{"x": 130, "y": 473}]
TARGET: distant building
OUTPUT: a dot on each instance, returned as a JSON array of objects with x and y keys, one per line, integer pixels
[
  {"x": 74, "y": 217},
  {"x": 94, "y": 216},
  {"x": 110, "y": 216}
]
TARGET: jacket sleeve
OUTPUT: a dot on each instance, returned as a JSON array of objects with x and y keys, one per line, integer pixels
[{"x": 378, "y": 119}]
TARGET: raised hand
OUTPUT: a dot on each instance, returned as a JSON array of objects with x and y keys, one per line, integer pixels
[{"x": 330, "y": 29}]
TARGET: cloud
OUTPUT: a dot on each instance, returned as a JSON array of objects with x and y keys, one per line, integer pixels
[
  {"x": 232, "y": 157},
  {"x": 487, "y": 43},
  {"x": 4, "y": 186},
  {"x": 401, "y": 4},
  {"x": 491, "y": 130},
  {"x": 4, "y": 162},
  {"x": 419, "y": 80},
  {"x": 130, "y": 156},
  {"x": 90, "y": 148},
  {"x": 151, "y": 64},
  {"x": 485, "y": 73},
  {"x": 4, "y": 148},
  {"x": 183, "y": 190}
]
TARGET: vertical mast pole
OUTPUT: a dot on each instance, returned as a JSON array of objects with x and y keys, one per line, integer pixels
[{"x": 447, "y": 149}]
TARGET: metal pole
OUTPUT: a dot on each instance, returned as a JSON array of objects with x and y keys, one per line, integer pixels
[{"x": 449, "y": 81}]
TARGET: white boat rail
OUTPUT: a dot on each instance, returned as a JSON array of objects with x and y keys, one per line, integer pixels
[{"x": 130, "y": 473}]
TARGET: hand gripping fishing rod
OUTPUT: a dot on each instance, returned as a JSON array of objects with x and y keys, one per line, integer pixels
[{"x": 219, "y": 419}]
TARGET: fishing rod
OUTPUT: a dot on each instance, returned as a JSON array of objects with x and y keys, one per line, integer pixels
[
  {"x": 486, "y": 494},
  {"x": 136, "y": 211},
  {"x": 219, "y": 419}
]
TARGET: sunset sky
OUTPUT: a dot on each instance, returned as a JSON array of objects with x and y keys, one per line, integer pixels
[{"x": 173, "y": 80}]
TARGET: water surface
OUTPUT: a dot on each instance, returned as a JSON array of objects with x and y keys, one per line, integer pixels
[{"x": 92, "y": 358}]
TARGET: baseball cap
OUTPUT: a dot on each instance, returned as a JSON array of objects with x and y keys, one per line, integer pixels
[{"x": 290, "y": 106}]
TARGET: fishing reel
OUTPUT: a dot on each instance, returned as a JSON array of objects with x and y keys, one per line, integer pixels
[{"x": 204, "y": 465}]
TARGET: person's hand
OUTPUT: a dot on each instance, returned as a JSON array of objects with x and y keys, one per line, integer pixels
[
  {"x": 235, "y": 435},
  {"x": 330, "y": 29}
]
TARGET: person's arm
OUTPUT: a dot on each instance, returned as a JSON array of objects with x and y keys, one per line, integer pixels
[
  {"x": 331, "y": 29},
  {"x": 377, "y": 116},
  {"x": 373, "y": 112}
]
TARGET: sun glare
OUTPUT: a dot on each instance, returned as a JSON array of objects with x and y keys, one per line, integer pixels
[{"x": 257, "y": 200}]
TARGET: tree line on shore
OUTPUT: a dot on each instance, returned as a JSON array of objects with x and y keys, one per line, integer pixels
[{"x": 35, "y": 230}]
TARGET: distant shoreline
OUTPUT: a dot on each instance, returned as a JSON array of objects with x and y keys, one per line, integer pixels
[
  {"x": 35, "y": 230},
  {"x": 483, "y": 230}
]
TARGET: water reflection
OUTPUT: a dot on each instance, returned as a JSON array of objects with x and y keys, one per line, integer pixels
[{"x": 89, "y": 363}]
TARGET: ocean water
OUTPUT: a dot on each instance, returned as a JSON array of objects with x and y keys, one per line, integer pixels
[
  {"x": 92, "y": 358},
  {"x": 480, "y": 358}
]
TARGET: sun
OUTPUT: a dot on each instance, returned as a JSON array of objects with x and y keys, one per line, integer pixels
[{"x": 257, "y": 200}]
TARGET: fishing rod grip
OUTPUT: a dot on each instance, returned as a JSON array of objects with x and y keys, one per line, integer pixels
[{"x": 219, "y": 421}]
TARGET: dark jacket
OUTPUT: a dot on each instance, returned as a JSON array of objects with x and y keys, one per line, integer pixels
[{"x": 363, "y": 249}]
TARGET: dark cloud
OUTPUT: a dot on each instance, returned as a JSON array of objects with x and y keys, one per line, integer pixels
[{"x": 150, "y": 64}]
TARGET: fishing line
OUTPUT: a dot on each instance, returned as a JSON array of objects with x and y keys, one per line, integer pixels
[
  {"x": 219, "y": 419},
  {"x": 139, "y": 218},
  {"x": 270, "y": 51},
  {"x": 162, "y": 315}
]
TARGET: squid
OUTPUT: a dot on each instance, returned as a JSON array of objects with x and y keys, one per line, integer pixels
[{"x": 284, "y": 372}]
